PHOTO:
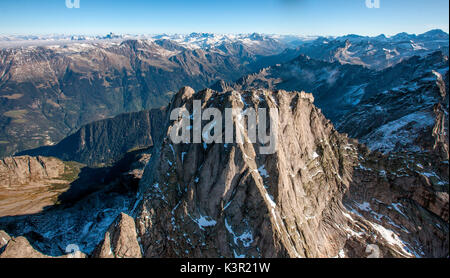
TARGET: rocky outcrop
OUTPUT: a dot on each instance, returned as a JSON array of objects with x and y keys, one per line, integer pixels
[
  {"x": 318, "y": 194},
  {"x": 20, "y": 247},
  {"x": 441, "y": 126},
  {"x": 4, "y": 239},
  {"x": 120, "y": 240},
  {"x": 312, "y": 197},
  {"x": 23, "y": 170},
  {"x": 440, "y": 132}
]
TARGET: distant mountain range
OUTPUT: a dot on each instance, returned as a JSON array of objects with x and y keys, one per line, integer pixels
[
  {"x": 207, "y": 40},
  {"x": 62, "y": 86},
  {"x": 49, "y": 92}
]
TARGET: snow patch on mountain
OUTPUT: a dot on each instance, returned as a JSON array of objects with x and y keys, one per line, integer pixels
[{"x": 400, "y": 132}]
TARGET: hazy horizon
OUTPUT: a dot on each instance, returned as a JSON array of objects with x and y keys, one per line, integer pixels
[{"x": 199, "y": 32}]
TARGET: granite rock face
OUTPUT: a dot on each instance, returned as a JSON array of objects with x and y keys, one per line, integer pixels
[
  {"x": 315, "y": 196},
  {"x": 20, "y": 248},
  {"x": 120, "y": 240},
  {"x": 318, "y": 194},
  {"x": 229, "y": 200},
  {"x": 441, "y": 126}
]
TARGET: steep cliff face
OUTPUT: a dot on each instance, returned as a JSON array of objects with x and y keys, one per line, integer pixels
[
  {"x": 315, "y": 196},
  {"x": 441, "y": 126},
  {"x": 229, "y": 200},
  {"x": 106, "y": 141}
]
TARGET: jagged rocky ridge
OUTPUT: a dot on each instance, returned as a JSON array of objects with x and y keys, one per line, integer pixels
[
  {"x": 386, "y": 109},
  {"x": 320, "y": 195},
  {"x": 105, "y": 142}
]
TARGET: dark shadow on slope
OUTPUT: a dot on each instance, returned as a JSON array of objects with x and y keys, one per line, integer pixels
[
  {"x": 93, "y": 191},
  {"x": 93, "y": 179}
]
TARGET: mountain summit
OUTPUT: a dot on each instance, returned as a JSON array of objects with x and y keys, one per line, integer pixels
[{"x": 320, "y": 194}]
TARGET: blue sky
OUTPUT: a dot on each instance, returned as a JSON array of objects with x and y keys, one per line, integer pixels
[{"x": 303, "y": 17}]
